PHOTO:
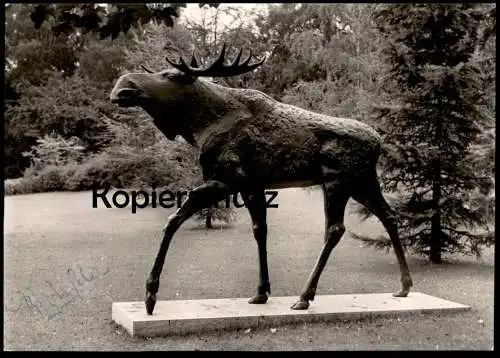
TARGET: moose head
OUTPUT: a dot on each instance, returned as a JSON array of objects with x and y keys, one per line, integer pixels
[{"x": 178, "y": 99}]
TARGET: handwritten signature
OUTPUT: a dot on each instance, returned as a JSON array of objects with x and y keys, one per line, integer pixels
[{"x": 52, "y": 304}]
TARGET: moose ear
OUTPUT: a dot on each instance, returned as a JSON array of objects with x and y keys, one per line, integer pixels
[{"x": 182, "y": 78}]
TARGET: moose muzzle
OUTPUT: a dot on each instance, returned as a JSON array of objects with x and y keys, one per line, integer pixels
[
  {"x": 125, "y": 97},
  {"x": 125, "y": 93}
]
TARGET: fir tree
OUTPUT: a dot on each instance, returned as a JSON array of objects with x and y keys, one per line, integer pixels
[{"x": 432, "y": 125}]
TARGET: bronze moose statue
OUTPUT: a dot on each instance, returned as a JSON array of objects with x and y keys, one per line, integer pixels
[{"x": 249, "y": 142}]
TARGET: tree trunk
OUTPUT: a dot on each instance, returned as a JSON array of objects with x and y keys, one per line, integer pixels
[
  {"x": 215, "y": 28},
  {"x": 435, "y": 249},
  {"x": 208, "y": 221}
]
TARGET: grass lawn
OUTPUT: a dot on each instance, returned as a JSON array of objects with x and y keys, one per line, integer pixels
[{"x": 65, "y": 263}]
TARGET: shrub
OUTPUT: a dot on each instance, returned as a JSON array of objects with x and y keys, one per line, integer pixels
[
  {"x": 53, "y": 150},
  {"x": 49, "y": 178},
  {"x": 96, "y": 172},
  {"x": 221, "y": 213},
  {"x": 15, "y": 186}
]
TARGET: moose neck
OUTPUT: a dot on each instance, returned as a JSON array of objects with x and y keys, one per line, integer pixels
[{"x": 204, "y": 105}]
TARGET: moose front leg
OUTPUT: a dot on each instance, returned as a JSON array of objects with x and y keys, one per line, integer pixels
[
  {"x": 201, "y": 197},
  {"x": 255, "y": 202}
]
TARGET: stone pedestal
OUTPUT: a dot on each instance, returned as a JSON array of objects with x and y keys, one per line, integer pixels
[{"x": 191, "y": 316}]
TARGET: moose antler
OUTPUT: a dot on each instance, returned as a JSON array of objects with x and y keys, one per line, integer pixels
[
  {"x": 194, "y": 63},
  {"x": 217, "y": 69},
  {"x": 146, "y": 69}
]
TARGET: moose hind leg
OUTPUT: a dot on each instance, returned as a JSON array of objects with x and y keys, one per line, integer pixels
[
  {"x": 370, "y": 195},
  {"x": 256, "y": 204},
  {"x": 335, "y": 200},
  {"x": 201, "y": 197}
]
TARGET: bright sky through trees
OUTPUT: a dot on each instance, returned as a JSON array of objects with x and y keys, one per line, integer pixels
[{"x": 194, "y": 13}]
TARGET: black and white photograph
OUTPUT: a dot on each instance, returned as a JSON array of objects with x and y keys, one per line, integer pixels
[{"x": 249, "y": 176}]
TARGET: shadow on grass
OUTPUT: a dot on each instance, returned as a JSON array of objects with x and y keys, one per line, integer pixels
[
  {"x": 449, "y": 266},
  {"x": 213, "y": 228}
]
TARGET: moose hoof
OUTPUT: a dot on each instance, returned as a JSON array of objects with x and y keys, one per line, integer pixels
[
  {"x": 402, "y": 293},
  {"x": 259, "y": 299},
  {"x": 300, "y": 305},
  {"x": 150, "y": 302}
]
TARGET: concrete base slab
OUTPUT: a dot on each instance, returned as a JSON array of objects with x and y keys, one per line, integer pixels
[{"x": 191, "y": 316}]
